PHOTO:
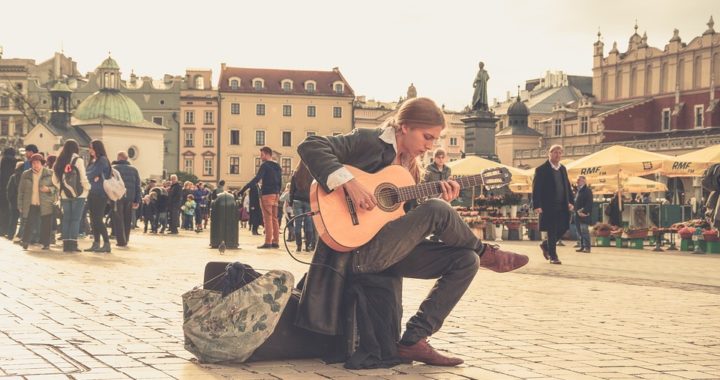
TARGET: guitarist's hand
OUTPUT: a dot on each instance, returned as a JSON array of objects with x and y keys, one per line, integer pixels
[
  {"x": 450, "y": 190},
  {"x": 361, "y": 197}
]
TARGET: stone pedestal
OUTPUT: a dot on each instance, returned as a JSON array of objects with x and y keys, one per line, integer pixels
[{"x": 480, "y": 134}]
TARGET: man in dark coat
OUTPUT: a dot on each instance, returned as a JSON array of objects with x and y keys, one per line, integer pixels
[
  {"x": 122, "y": 212},
  {"x": 583, "y": 209},
  {"x": 7, "y": 169},
  {"x": 553, "y": 201},
  {"x": 174, "y": 202}
]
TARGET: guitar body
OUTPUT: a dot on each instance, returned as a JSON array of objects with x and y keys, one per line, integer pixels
[{"x": 341, "y": 225}]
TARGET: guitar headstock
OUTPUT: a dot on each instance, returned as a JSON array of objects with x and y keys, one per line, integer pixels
[{"x": 495, "y": 178}]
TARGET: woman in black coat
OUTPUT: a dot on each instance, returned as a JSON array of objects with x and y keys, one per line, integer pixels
[
  {"x": 7, "y": 168},
  {"x": 614, "y": 210},
  {"x": 256, "y": 219}
]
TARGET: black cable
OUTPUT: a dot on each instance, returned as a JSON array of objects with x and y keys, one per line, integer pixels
[{"x": 309, "y": 213}]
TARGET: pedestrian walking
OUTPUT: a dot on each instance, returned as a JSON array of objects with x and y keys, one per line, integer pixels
[
  {"x": 97, "y": 200},
  {"x": 70, "y": 178},
  {"x": 583, "y": 209},
  {"x": 256, "y": 217},
  {"x": 8, "y": 162},
  {"x": 300, "y": 200},
  {"x": 36, "y": 199},
  {"x": 188, "y": 210},
  {"x": 12, "y": 197},
  {"x": 552, "y": 201},
  {"x": 271, "y": 176},
  {"x": 123, "y": 207},
  {"x": 175, "y": 201}
]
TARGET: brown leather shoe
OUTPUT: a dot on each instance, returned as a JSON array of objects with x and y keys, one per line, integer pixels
[
  {"x": 501, "y": 261},
  {"x": 422, "y": 351}
]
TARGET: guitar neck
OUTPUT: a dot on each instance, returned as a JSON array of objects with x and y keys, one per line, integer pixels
[{"x": 431, "y": 189}]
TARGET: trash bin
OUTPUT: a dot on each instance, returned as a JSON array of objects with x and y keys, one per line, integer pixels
[{"x": 224, "y": 223}]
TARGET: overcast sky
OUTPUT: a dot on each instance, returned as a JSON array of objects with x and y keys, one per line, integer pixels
[{"x": 380, "y": 46}]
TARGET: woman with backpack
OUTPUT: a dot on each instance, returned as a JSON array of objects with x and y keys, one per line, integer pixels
[
  {"x": 69, "y": 176},
  {"x": 97, "y": 172}
]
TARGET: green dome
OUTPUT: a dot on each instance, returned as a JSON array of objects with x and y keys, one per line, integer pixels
[
  {"x": 109, "y": 104},
  {"x": 109, "y": 63}
]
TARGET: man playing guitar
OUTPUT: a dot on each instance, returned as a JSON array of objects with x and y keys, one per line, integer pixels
[{"x": 401, "y": 246}]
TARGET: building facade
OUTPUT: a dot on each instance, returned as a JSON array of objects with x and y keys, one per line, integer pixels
[
  {"x": 278, "y": 109},
  {"x": 199, "y": 120}
]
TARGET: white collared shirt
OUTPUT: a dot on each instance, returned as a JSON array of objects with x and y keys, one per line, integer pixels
[
  {"x": 555, "y": 167},
  {"x": 341, "y": 176}
]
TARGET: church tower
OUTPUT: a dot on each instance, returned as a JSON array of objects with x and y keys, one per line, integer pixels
[{"x": 60, "y": 105}]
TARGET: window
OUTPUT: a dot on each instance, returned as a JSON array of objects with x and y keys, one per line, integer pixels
[
  {"x": 258, "y": 162},
  {"x": 286, "y": 165},
  {"x": 699, "y": 116},
  {"x": 235, "y": 108},
  {"x": 453, "y": 141},
  {"x": 258, "y": 84},
  {"x": 234, "y": 84},
  {"x": 4, "y": 127},
  {"x": 19, "y": 127},
  {"x": 234, "y": 137},
  {"x": 207, "y": 166},
  {"x": 199, "y": 83},
  {"x": 209, "y": 117},
  {"x": 339, "y": 88},
  {"x": 337, "y": 112},
  {"x": 4, "y": 102},
  {"x": 189, "y": 117},
  {"x": 500, "y": 124},
  {"x": 311, "y": 111},
  {"x": 188, "y": 165},
  {"x": 287, "y": 138},
  {"x": 208, "y": 138},
  {"x": 259, "y": 138},
  {"x": 287, "y": 86},
  {"x": 310, "y": 133},
  {"x": 234, "y": 165},
  {"x": 157, "y": 120},
  {"x": 287, "y": 110},
  {"x": 260, "y": 110},
  {"x": 583, "y": 125},
  {"x": 189, "y": 138},
  {"x": 558, "y": 127},
  {"x": 132, "y": 152},
  {"x": 310, "y": 86},
  {"x": 666, "y": 119}
]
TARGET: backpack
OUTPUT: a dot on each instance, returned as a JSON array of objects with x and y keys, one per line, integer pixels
[
  {"x": 114, "y": 186},
  {"x": 71, "y": 185}
]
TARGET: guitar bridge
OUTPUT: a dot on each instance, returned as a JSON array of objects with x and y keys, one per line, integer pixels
[{"x": 351, "y": 207}]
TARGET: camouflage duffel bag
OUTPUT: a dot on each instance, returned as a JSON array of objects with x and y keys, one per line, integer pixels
[{"x": 221, "y": 329}]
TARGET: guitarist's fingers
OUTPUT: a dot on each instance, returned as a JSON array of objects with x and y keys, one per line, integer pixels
[{"x": 446, "y": 190}]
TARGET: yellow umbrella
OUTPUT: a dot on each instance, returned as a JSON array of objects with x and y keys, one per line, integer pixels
[
  {"x": 629, "y": 184},
  {"x": 617, "y": 160},
  {"x": 691, "y": 164},
  {"x": 474, "y": 165}
]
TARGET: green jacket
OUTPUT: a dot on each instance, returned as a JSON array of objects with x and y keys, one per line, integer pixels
[{"x": 47, "y": 200}]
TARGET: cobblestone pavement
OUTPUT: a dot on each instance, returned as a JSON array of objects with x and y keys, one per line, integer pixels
[{"x": 611, "y": 314}]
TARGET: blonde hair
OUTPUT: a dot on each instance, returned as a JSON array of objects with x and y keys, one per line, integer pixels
[
  {"x": 556, "y": 146},
  {"x": 187, "y": 185},
  {"x": 416, "y": 113}
]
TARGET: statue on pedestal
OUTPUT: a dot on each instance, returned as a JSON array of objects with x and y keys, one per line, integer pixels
[{"x": 480, "y": 98}]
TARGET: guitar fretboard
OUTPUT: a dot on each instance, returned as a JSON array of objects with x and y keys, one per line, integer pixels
[{"x": 432, "y": 189}]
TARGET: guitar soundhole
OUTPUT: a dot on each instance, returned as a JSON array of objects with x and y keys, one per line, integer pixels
[{"x": 387, "y": 197}]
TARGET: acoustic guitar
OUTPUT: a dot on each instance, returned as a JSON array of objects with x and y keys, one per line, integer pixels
[{"x": 344, "y": 227}]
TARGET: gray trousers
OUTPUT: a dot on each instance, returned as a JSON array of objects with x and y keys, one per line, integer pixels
[{"x": 401, "y": 247}]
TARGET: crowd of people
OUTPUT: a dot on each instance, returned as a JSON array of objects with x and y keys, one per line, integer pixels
[{"x": 43, "y": 196}]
